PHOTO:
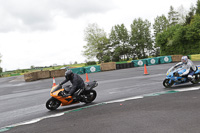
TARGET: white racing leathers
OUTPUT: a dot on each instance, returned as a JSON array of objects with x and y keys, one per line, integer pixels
[{"x": 189, "y": 67}]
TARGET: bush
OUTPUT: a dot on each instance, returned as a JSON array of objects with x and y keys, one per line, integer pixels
[{"x": 90, "y": 63}]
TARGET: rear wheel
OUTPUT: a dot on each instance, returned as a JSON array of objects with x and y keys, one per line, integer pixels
[
  {"x": 194, "y": 81},
  {"x": 90, "y": 96},
  {"x": 52, "y": 104},
  {"x": 166, "y": 83}
]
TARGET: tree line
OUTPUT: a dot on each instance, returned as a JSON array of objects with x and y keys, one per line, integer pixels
[
  {"x": 1, "y": 69},
  {"x": 178, "y": 33}
]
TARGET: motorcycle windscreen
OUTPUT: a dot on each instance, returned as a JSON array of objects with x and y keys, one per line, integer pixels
[{"x": 58, "y": 87}]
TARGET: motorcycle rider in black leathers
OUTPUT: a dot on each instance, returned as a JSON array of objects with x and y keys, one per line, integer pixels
[{"x": 75, "y": 79}]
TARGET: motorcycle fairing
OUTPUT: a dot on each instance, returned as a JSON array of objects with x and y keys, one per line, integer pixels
[
  {"x": 198, "y": 71},
  {"x": 175, "y": 79},
  {"x": 55, "y": 93}
]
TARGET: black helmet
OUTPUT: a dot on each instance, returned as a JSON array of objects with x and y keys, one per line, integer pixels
[{"x": 68, "y": 74}]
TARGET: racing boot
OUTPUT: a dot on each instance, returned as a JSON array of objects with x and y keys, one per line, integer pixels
[{"x": 191, "y": 78}]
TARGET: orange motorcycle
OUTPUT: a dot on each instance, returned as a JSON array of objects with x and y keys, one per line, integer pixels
[{"x": 86, "y": 95}]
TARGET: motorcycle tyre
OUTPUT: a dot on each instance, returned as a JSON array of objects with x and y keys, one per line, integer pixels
[
  {"x": 196, "y": 81},
  {"x": 54, "y": 101},
  {"x": 91, "y": 99},
  {"x": 166, "y": 81}
]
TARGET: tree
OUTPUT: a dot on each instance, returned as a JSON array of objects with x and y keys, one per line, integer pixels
[
  {"x": 181, "y": 15},
  {"x": 119, "y": 40},
  {"x": 0, "y": 57},
  {"x": 198, "y": 7},
  {"x": 181, "y": 39},
  {"x": 173, "y": 17},
  {"x": 165, "y": 40},
  {"x": 141, "y": 40},
  {"x": 96, "y": 42},
  {"x": 161, "y": 23},
  {"x": 1, "y": 69},
  {"x": 32, "y": 67},
  {"x": 190, "y": 15}
]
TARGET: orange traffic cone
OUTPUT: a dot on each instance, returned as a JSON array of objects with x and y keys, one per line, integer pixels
[
  {"x": 145, "y": 70},
  {"x": 87, "y": 79},
  {"x": 54, "y": 82}
]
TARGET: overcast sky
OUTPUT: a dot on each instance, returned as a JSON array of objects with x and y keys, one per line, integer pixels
[{"x": 47, "y": 32}]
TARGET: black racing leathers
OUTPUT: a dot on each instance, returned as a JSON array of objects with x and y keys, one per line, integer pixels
[{"x": 77, "y": 83}]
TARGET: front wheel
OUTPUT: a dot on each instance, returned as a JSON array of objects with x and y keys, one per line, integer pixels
[
  {"x": 166, "y": 83},
  {"x": 52, "y": 104},
  {"x": 90, "y": 96}
]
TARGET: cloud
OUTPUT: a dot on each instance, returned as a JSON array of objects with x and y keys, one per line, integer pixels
[{"x": 26, "y": 15}]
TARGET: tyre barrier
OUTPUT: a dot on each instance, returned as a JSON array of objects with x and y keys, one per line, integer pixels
[
  {"x": 108, "y": 66},
  {"x": 79, "y": 70},
  {"x": 165, "y": 59},
  {"x": 124, "y": 65},
  {"x": 176, "y": 58},
  {"x": 152, "y": 61},
  {"x": 28, "y": 77},
  {"x": 139, "y": 63},
  {"x": 195, "y": 57},
  {"x": 103, "y": 67},
  {"x": 57, "y": 73},
  {"x": 43, "y": 74},
  {"x": 92, "y": 69}
]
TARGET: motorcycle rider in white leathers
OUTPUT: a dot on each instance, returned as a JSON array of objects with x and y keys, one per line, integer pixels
[{"x": 188, "y": 65}]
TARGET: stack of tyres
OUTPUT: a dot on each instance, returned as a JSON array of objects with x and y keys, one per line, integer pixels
[
  {"x": 130, "y": 65},
  {"x": 124, "y": 65},
  {"x": 117, "y": 66}
]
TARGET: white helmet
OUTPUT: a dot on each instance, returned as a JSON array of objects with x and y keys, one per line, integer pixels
[{"x": 184, "y": 59}]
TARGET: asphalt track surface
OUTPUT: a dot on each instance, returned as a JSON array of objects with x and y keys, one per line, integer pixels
[{"x": 128, "y": 101}]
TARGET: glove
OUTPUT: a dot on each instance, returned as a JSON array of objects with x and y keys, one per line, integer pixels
[
  {"x": 59, "y": 85},
  {"x": 180, "y": 75}
]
